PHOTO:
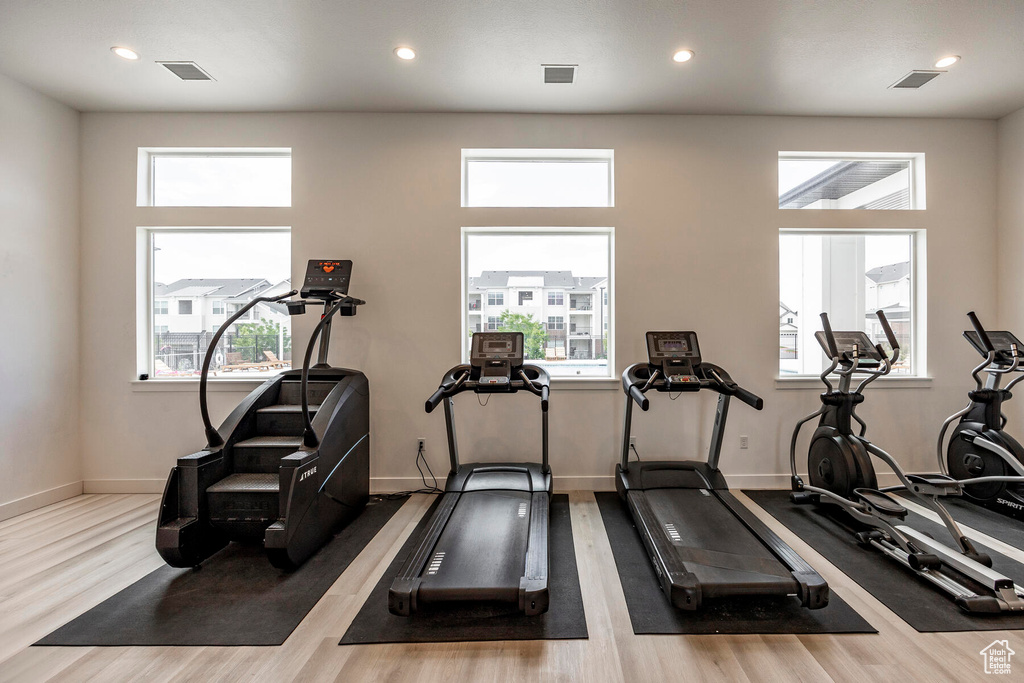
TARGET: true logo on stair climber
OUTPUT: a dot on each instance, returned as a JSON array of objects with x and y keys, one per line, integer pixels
[{"x": 308, "y": 473}]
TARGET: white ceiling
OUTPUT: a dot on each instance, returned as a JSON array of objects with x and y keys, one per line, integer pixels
[{"x": 816, "y": 57}]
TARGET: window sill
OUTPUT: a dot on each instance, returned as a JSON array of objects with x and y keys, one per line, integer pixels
[
  {"x": 882, "y": 382},
  {"x": 192, "y": 385},
  {"x": 585, "y": 383}
]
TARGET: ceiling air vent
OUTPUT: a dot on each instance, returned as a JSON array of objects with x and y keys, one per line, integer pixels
[
  {"x": 915, "y": 79},
  {"x": 186, "y": 71},
  {"x": 560, "y": 73}
]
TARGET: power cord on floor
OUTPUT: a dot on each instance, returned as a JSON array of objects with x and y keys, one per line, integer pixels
[
  {"x": 635, "y": 452},
  {"x": 427, "y": 488}
]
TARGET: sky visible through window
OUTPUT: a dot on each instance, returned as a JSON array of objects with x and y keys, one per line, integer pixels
[
  {"x": 232, "y": 254},
  {"x": 538, "y": 183},
  {"x": 584, "y": 255},
  {"x": 222, "y": 181}
]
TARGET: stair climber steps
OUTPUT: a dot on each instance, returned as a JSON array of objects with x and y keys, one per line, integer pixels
[
  {"x": 282, "y": 420},
  {"x": 262, "y": 454},
  {"x": 291, "y": 392},
  {"x": 244, "y": 504}
]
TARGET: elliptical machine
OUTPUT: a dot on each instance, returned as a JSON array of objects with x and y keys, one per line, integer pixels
[
  {"x": 291, "y": 464},
  {"x": 840, "y": 473},
  {"x": 988, "y": 462}
]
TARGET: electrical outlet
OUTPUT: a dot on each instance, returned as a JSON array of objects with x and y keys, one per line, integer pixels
[
  {"x": 632, "y": 441},
  {"x": 422, "y": 444},
  {"x": 744, "y": 442}
]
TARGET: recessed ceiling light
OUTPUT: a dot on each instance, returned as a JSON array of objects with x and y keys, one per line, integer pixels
[
  {"x": 947, "y": 61},
  {"x": 125, "y": 53},
  {"x": 405, "y": 53},
  {"x": 682, "y": 56}
]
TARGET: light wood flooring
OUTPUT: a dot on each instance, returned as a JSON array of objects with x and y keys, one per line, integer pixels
[{"x": 58, "y": 561}]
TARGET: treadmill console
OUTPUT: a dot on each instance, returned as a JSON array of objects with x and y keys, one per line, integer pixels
[
  {"x": 326, "y": 279},
  {"x": 494, "y": 355},
  {"x": 1001, "y": 340},
  {"x": 677, "y": 355},
  {"x": 845, "y": 343}
]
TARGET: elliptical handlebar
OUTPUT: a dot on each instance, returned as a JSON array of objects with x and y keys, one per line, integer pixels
[
  {"x": 833, "y": 349},
  {"x": 982, "y": 334}
]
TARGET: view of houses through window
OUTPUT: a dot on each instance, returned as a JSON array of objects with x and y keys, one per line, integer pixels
[
  {"x": 850, "y": 276},
  {"x": 551, "y": 286},
  {"x": 199, "y": 280}
]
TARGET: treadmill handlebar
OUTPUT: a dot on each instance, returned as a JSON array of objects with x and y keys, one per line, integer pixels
[
  {"x": 638, "y": 396},
  {"x": 458, "y": 380},
  {"x": 636, "y": 384}
]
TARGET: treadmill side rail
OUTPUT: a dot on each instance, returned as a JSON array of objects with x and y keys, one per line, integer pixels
[
  {"x": 814, "y": 591},
  {"x": 533, "y": 587},
  {"x": 402, "y": 595}
]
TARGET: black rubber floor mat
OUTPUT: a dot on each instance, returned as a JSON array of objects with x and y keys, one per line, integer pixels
[
  {"x": 989, "y": 522},
  {"x": 917, "y": 602},
  {"x": 651, "y": 612},
  {"x": 236, "y": 598},
  {"x": 564, "y": 619}
]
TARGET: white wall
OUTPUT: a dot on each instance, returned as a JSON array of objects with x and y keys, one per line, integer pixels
[
  {"x": 696, "y": 223},
  {"x": 1010, "y": 203},
  {"x": 39, "y": 240}
]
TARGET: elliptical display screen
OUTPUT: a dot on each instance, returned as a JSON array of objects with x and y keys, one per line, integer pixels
[
  {"x": 845, "y": 343},
  {"x": 1001, "y": 340}
]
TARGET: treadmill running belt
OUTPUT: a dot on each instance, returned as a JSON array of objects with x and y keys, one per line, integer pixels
[
  {"x": 564, "y": 619},
  {"x": 714, "y": 545},
  {"x": 650, "y": 611},
  {"x": 488, "y": 563}
]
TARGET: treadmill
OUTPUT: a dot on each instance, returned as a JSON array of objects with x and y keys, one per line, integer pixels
[
  {"x": 487, "y": 541},
  {"x": 704, "y": 543}
]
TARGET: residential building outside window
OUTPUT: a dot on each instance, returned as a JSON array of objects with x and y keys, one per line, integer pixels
[
  {"x": 554, "y": 278},
  {"x": 208, "y": 275},
  {"x": 850, "y": 275}
]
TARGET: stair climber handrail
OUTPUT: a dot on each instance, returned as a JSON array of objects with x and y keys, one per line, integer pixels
[
  {"x": 309, "y": 437},
  {"x": 213, "y": 437}
]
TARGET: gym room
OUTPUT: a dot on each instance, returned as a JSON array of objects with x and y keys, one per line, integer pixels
[{"x": 433, "y": 341}]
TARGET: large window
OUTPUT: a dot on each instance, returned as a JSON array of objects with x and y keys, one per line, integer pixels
[
  {"x": 849, "y": 275},
  {"x": 826, "y": 180},
  {"x": 212, "y": 273},
  {"x": 537, "y": 177},
  {"x": 577, "y": 261},
  {"x": 215, "y": 177}
]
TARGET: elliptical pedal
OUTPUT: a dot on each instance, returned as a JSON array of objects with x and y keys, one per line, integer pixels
[{"x": 881, "y": 503}]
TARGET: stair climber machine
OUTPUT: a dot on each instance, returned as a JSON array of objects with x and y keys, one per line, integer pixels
[
  {"x": 487, "y": 541},
  {"x": 290, "y": 465},
  {"x": 981, "y": 455},
  {"x": 704, "y": 543},
  {"x": 841, "y": 475}
]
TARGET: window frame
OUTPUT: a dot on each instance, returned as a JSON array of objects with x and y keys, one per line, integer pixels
[
  {"x": 918, "y": 297},
  {"x": 144, "y": 308},
  {"x": 146, "y": 186},
  {"x": 538, "y": 155},
  {"x": 518, "y": 231},
  {"x": 917, "y": 185}
]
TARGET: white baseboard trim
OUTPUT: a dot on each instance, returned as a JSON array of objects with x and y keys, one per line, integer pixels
[
  {"x": 394, "y": 484},
  {"x": 124, "y": 485},
  {"x": 37, "y": 500}
]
